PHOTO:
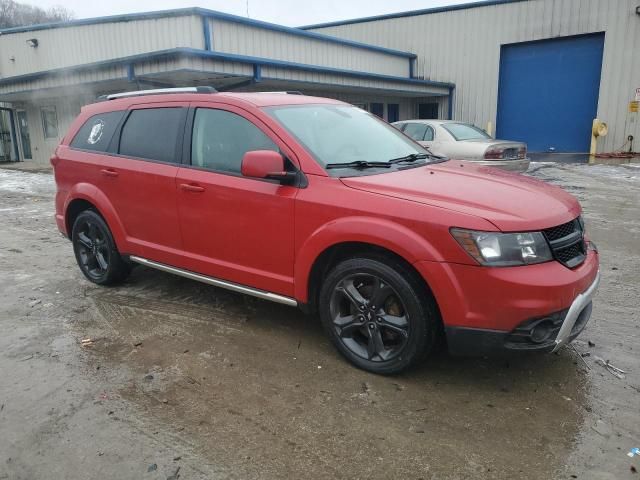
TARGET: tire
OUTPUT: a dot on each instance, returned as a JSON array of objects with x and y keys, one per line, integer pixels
[
  {"x": 387, "y": 338},
  {"x": 95, "y": 250}
]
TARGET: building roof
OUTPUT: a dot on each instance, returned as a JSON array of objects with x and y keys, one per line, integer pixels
[{"x": 412, "y": 13}]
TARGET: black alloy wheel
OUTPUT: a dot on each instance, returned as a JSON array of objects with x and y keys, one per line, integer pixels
[
  {"x": 95, "y": 250},
  {"x": 369, "y": 317},
  {"x": 378, "y": 314}
]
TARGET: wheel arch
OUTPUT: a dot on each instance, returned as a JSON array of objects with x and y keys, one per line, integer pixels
[
  {"x": 351, "y": 237},
  {"x": 86, "y": 196}
]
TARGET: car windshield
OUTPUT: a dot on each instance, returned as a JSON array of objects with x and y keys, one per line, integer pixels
[
  {"x": 344, "y": 136},
  {"x": 464, "y": 131}
]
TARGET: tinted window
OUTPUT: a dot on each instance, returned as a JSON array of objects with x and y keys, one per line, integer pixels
[
  {"x": 96, "y": 132},
  {"x": 152, "y": 133},
  {"x": 416, "y": 130},
  {"x": 220, "y": 140},
  {"x": 464, "y": 131}
]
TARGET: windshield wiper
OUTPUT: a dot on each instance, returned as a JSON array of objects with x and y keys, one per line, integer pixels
[
  {"x": 411, "y": 157},
  {"x": 359, "y": 164}
]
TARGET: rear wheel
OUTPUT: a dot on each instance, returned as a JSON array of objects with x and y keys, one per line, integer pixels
[
  {"x": 95, "y": 250},
  {"x": 378, "y": 315}
]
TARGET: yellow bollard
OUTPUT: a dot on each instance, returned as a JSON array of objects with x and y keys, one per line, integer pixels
[{"x": 599, "y": 129}]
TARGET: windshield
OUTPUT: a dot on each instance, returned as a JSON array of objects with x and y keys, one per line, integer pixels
[
  {"x": 464, "y": 131},
  {"x": 344, "y": 134}
]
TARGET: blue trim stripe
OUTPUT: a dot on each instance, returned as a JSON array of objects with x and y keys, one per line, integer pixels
[
  {"x": 450, "y": 103},
  {"x": 413, "y": 13},
  {"x": 131, "y": 72},
  {"x": 208, "y": 14},
  {"x": 192, "y": 52},
  {"x": 206, "y": 31}
]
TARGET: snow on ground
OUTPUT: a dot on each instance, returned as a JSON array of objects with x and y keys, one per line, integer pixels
[{"x": 17, "y": 181}]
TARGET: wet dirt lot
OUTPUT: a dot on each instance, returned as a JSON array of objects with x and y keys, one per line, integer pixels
[{"x": 187, "y": 380}]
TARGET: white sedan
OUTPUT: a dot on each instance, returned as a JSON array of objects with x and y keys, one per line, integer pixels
[{"x": 463, "y": 141}]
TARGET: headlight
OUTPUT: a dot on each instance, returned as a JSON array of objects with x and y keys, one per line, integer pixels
[{"x": 496, "y": 249}]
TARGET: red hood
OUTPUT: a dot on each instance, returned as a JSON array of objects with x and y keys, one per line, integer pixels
[{"x": 510, "y": 201}]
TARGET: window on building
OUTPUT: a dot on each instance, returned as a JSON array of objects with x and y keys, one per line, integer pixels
[
  {"x": 393, "y": 112},
  {"x": 220, "y": 140},
  {"x": 428, "y": 111},
  {"x": 50, "y": 122},
  {"x": 153, "y": 133},
  {"x": 417, "y": 131},
  {"x": 97, "y": 131},
  {"x": 377, "y": 109}
]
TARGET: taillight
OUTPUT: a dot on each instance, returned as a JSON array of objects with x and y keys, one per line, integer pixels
[{"x": 494, "y": 154}]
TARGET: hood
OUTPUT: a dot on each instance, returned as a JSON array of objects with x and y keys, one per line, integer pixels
[{"x": 510, "y": 201}]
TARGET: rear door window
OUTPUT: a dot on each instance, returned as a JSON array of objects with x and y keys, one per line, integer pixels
[
  {"x": 416, "y": 131},
  {"x": 153, "y": 133},
  {"x": 220, "y": 139},
  {"x": 96, "y": 133}
]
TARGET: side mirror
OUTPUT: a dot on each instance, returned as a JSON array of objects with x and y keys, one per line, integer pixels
[{"x": 265, "y": 164}]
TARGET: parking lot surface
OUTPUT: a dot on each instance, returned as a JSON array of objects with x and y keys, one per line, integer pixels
[{"x": 179, "y": 379}]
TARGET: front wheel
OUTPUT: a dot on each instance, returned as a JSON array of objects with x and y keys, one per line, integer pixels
[
  {"x": 95, "y": 250},
  {"x": 378, "y": 315}
]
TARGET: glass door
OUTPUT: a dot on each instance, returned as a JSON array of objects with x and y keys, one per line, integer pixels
[{"x": 23, "y": 127}]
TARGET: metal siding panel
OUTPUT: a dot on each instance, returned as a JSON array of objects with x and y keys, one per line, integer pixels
[
  {"x": 464, "y": 47},
  {"x": 231, "y": 37},
  {"x": 90, "y": 43}
]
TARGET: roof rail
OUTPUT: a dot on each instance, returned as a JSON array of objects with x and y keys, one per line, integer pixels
[
  {"x": 158, "y": 91},
  {"x": 287, "y": 92}
]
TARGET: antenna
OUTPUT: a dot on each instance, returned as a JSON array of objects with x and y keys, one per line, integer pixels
[{"x": 247, "y": 8}]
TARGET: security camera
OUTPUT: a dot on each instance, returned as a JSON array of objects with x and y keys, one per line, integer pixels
[{"x": 32, "y": 42}]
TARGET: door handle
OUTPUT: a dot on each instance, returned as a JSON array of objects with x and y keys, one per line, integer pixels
[
  {"x": 191, "y": 188},
  {"x": 109, "y": 172}
]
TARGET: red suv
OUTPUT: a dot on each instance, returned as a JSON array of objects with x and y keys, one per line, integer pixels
[{"x": 316, "y": 203}]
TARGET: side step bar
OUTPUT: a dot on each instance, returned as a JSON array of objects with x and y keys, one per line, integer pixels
[{"x": 274, "y": 297}]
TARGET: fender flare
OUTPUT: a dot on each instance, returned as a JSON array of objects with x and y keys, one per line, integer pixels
[
  {"x": 90, "y": 193},
  {"x": 374, "y": 231}
]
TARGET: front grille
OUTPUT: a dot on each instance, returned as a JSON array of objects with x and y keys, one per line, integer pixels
[
  {"x": 561, "y": 231},
  {"x": 565, "y": 255},
  {"x": 567, "y": 243}
]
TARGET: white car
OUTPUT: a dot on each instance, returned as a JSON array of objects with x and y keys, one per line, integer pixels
[{"x": 463, "y": 141}]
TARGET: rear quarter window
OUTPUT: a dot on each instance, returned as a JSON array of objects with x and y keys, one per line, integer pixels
[{"x": 96, "y": 133}]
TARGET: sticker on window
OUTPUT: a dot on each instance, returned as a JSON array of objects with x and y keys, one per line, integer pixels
[{"x": 96, "y": 132}]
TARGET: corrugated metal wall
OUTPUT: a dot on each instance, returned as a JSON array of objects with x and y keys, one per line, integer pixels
[
  {"x": 463, "y": 47},
  {"x": 243, "y": 39},
  {"x": 77, "y": 45}
]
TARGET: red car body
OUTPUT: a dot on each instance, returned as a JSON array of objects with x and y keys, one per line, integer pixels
[{"x": 268, "y": 236}]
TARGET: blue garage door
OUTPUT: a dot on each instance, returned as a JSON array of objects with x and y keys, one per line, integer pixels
[{"x": 548, "y": 93}]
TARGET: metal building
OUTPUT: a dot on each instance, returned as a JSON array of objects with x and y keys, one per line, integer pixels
[
  {"x": 47, "y": 72},
  {"x": 538, "y": 70},
  {"x": 532, "y": 70}
]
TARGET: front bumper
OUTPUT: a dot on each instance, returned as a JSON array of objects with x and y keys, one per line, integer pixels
[
  {"x": 519, "y": 166},
  {"x": 558, "y": 329}
]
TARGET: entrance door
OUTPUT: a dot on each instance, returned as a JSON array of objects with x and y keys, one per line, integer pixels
[
  {"x": 25, "y": 139},
  {"x": 548, "y": 92},
  {"x": 8, "y": 151}
]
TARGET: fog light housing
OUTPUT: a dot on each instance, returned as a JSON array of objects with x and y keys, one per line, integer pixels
[{"x": 542, "y": 331}]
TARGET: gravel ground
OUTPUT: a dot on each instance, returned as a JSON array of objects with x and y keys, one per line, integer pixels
[{"x": 186, "y": 380}]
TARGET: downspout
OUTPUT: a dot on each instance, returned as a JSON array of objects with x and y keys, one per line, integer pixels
[{"x": 452, "y": 90}]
